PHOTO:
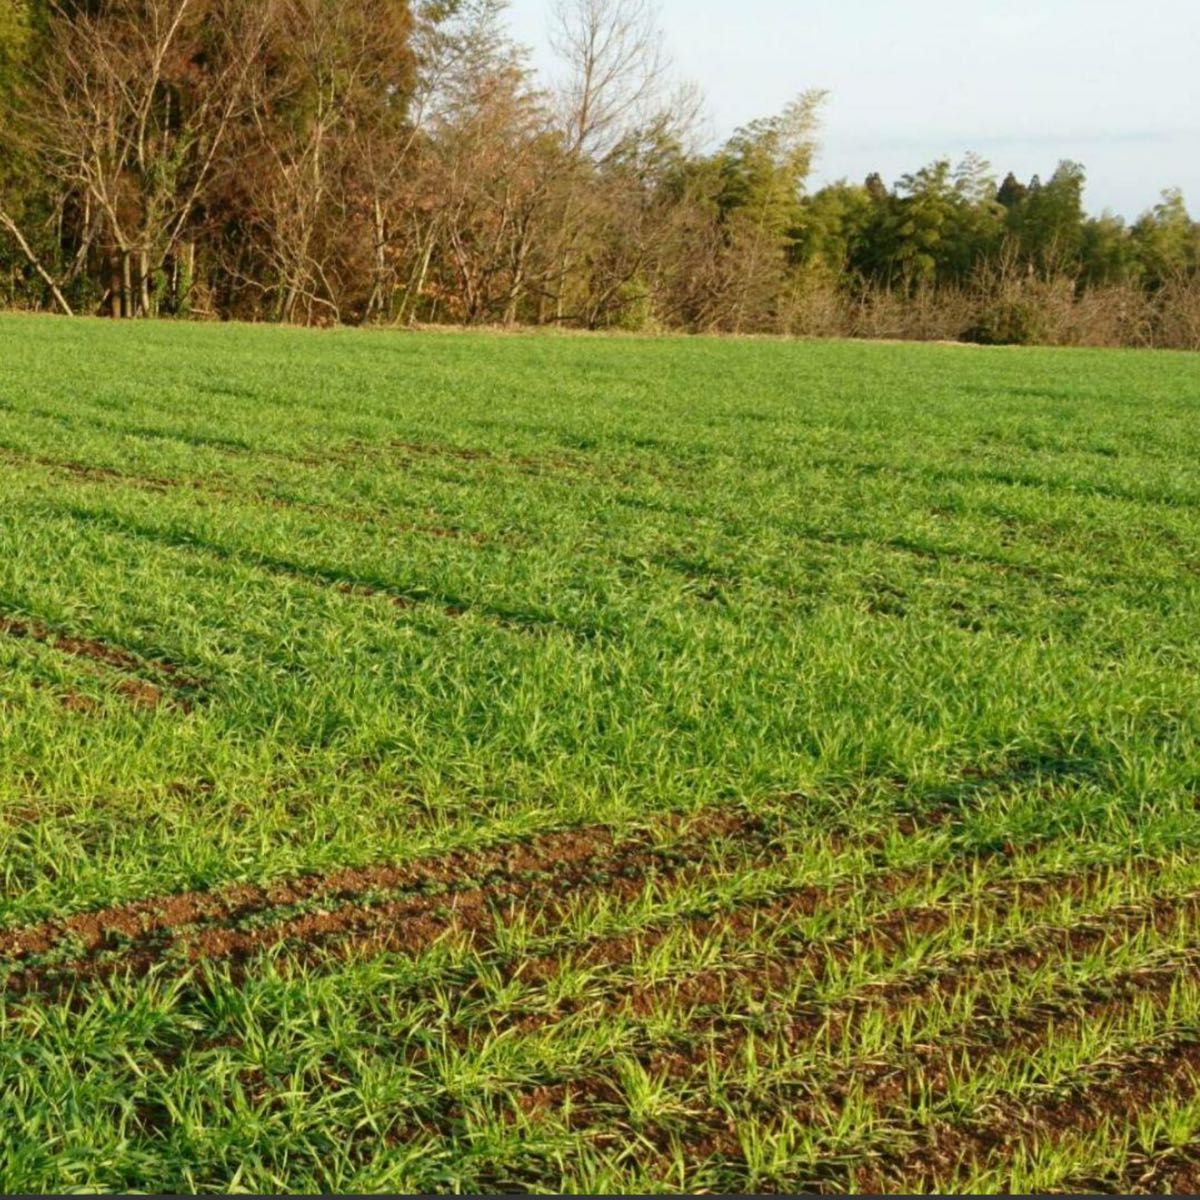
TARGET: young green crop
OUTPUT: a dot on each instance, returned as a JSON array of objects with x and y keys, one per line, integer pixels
[{"x": 488, "y": 762}]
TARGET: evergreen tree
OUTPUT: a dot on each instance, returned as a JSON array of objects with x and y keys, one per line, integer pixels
[{"x": 1012, "y": 192}]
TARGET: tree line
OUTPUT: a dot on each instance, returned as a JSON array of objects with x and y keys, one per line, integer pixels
[{"x": 324, "y": 161}]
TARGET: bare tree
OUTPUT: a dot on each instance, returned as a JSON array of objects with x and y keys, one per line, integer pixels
[
  {"x": 615, "y": 67},
  {"x": 484, "y": 173},
  {"x": 461, "y": 51},
  {"x": 133, "y": 109},
  {"x": 328, "y": 98}
]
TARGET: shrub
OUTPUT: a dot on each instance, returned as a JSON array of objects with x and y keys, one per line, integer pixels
[{"x": 1007, "y": 323}]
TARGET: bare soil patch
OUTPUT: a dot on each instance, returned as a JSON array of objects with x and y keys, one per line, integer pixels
[
  {"x": 138, "y": 691},
  {"x": 455, "y": 891}
]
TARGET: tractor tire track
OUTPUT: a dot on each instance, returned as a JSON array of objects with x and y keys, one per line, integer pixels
[
  {"x": 455, "y": 890},
  {"x": 182, "y": 686}
]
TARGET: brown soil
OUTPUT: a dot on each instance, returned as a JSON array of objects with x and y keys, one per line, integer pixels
[
  {"x": 555, "y": 866},
  {"x": 140, "y": 694},
  {"x": 980, "y": 1043},
  {"x": 147, "y": 930},
  {"x": 92, "y": 474},
  {"x": 406, "y": 602},
  {"x": 96, "y": 651},
  {"x": 522, "y": 623},
  {"x": 756, "y": 979},
  {"x": 596, "y": 1104},
  {"x": 953, "y": 973},
  {"x": 460, "y": 890},
  {"x": 1164, "y": 1171},
  {"x": 159, "y": 485},
  {"x": 1113, "y": 1093},
  {"x": 137, "y": 692},
  {"x": 1118, "y": 1093},
  {"x": 984, "y": 1035},
  {"x": 767, "y": 972},
  {"x": 711, "y": 989},
  {"x": 476, "y": 454}
]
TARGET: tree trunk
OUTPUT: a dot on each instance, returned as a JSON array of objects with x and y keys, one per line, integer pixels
[
  {"x": 185, "y": 277},
  {"x": 413, "y": 294},
  {"x": 114, "y": 286},
  {"x": 518, "y": 284},
  {"x": 6, "y": 222},
  {"x": 380, "y": 302},
  {"x": 126, "y": 285},
  {"x": 144, "y": 284}
]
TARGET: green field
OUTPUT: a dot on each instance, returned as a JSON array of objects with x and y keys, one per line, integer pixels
[{"x": 469, "y": 762}]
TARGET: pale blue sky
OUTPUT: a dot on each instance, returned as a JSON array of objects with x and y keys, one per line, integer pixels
[{"x": 1115, "y": 85}]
